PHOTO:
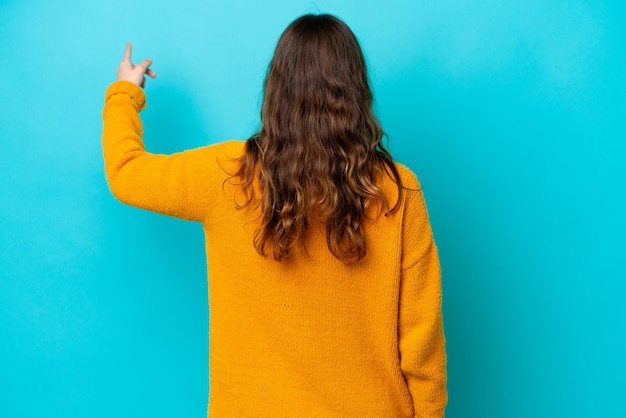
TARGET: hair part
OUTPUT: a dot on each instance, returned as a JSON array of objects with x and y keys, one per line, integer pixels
[{"x": 318, "y": 156}]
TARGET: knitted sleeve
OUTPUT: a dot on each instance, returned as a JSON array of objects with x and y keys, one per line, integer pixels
[
  {"x": 421, "y": 337},
  {"x": 159, "y": 183}
]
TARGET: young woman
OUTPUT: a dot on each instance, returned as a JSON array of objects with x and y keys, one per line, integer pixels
[{"x": 324, "y": 281}]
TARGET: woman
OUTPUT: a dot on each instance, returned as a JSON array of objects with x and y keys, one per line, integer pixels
[{"x": 324, "y": 281}]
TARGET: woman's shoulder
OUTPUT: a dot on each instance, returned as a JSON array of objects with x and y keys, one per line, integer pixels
[
  {"x": 408, "y": 177},
  {"x": 225, "y": 156},
  {"x": 232, "y": 148},
  {"x": 213, "y": 161},
  {"x": 222, "y": 153}
]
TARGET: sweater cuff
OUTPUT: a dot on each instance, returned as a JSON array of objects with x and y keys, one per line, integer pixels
[{"x": 136, "y": 94}]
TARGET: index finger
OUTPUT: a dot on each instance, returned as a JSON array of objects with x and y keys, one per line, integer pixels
[{"x": 129, "y": 49}]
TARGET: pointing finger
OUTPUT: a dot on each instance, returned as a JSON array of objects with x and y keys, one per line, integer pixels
[{"x": 129, "y": 49}]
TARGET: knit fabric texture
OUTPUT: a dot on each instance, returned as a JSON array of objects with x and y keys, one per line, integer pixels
[{"x": 308, "y": 336}]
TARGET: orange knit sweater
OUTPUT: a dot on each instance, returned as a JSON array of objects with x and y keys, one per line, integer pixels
[{"x": 308, "y": 336}]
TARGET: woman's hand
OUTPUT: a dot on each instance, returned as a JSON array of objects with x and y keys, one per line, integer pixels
[{"x": 135, "y": 73}]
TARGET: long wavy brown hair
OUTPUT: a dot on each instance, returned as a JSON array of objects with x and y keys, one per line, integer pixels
[{"x": 318, "y": 156}]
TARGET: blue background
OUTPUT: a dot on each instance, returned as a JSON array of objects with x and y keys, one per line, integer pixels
[{"x": 512, "y": 113}]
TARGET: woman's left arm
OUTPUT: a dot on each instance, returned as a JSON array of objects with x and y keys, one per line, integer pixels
[{"x": 159, "y": 183}]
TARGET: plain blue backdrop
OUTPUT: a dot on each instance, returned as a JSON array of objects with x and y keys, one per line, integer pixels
[{"x": 512, "y": 114}]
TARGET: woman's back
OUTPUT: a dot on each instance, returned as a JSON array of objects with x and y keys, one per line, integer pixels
[
  {"x": 321, "y": 330},
  {"x": 312, "y": 336}
]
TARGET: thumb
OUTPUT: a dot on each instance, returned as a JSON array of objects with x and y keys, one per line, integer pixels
[{"x": 145, "y": 64}]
